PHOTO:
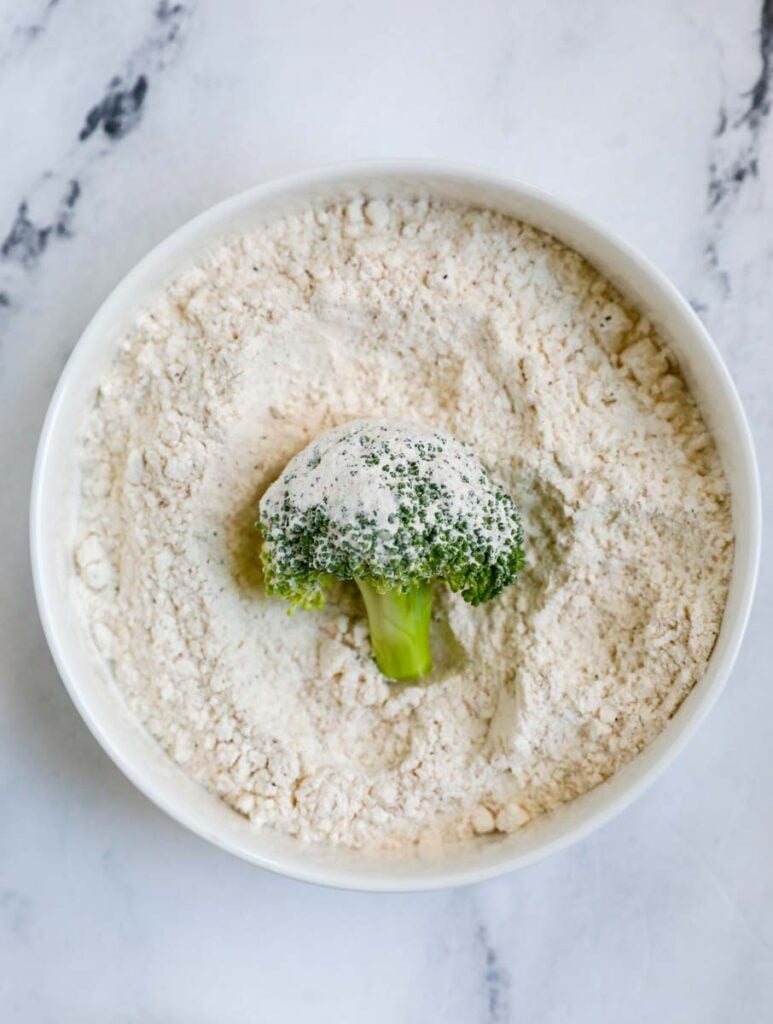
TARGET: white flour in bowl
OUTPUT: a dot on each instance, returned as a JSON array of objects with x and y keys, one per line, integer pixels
[{"x": 489, "y": 330}]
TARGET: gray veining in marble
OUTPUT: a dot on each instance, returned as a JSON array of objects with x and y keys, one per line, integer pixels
[{"x": 118, "y": 123}]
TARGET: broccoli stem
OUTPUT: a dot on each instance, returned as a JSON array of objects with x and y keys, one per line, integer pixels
[{"x": 399, "y": 629}]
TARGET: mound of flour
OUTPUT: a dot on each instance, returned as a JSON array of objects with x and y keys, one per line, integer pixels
[{"x": 484, "y": 328}]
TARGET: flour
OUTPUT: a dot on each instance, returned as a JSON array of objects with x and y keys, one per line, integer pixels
[{"x": 463, "y": 320}]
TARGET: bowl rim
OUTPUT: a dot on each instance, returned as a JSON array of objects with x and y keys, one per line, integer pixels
[{"x": 329, "y": 175}]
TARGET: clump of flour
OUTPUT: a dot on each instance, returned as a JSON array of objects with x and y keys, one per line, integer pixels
[{"x": 493, "y": 332}]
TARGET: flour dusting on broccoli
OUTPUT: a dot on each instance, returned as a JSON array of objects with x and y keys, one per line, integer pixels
[{"x": 392, "y": 506}]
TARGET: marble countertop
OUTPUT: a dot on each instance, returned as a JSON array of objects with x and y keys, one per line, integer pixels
[{"x": 118, "y": 123}]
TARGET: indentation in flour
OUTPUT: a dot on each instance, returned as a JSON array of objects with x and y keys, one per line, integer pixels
[
  {"x": 549, "y": 535},
  {"x": 243, "y": 543}
]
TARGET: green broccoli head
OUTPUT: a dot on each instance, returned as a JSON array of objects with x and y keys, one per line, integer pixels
[{"x": 393, "y": 506}]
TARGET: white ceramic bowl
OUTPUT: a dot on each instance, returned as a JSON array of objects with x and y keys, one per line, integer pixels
[{"x": 53, "y": 507}]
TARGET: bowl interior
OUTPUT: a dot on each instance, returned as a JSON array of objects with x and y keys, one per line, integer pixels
[{"x": 54, "y": 505}]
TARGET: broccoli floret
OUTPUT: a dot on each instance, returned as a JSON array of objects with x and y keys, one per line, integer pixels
[{"x": 392, "y": 506}]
